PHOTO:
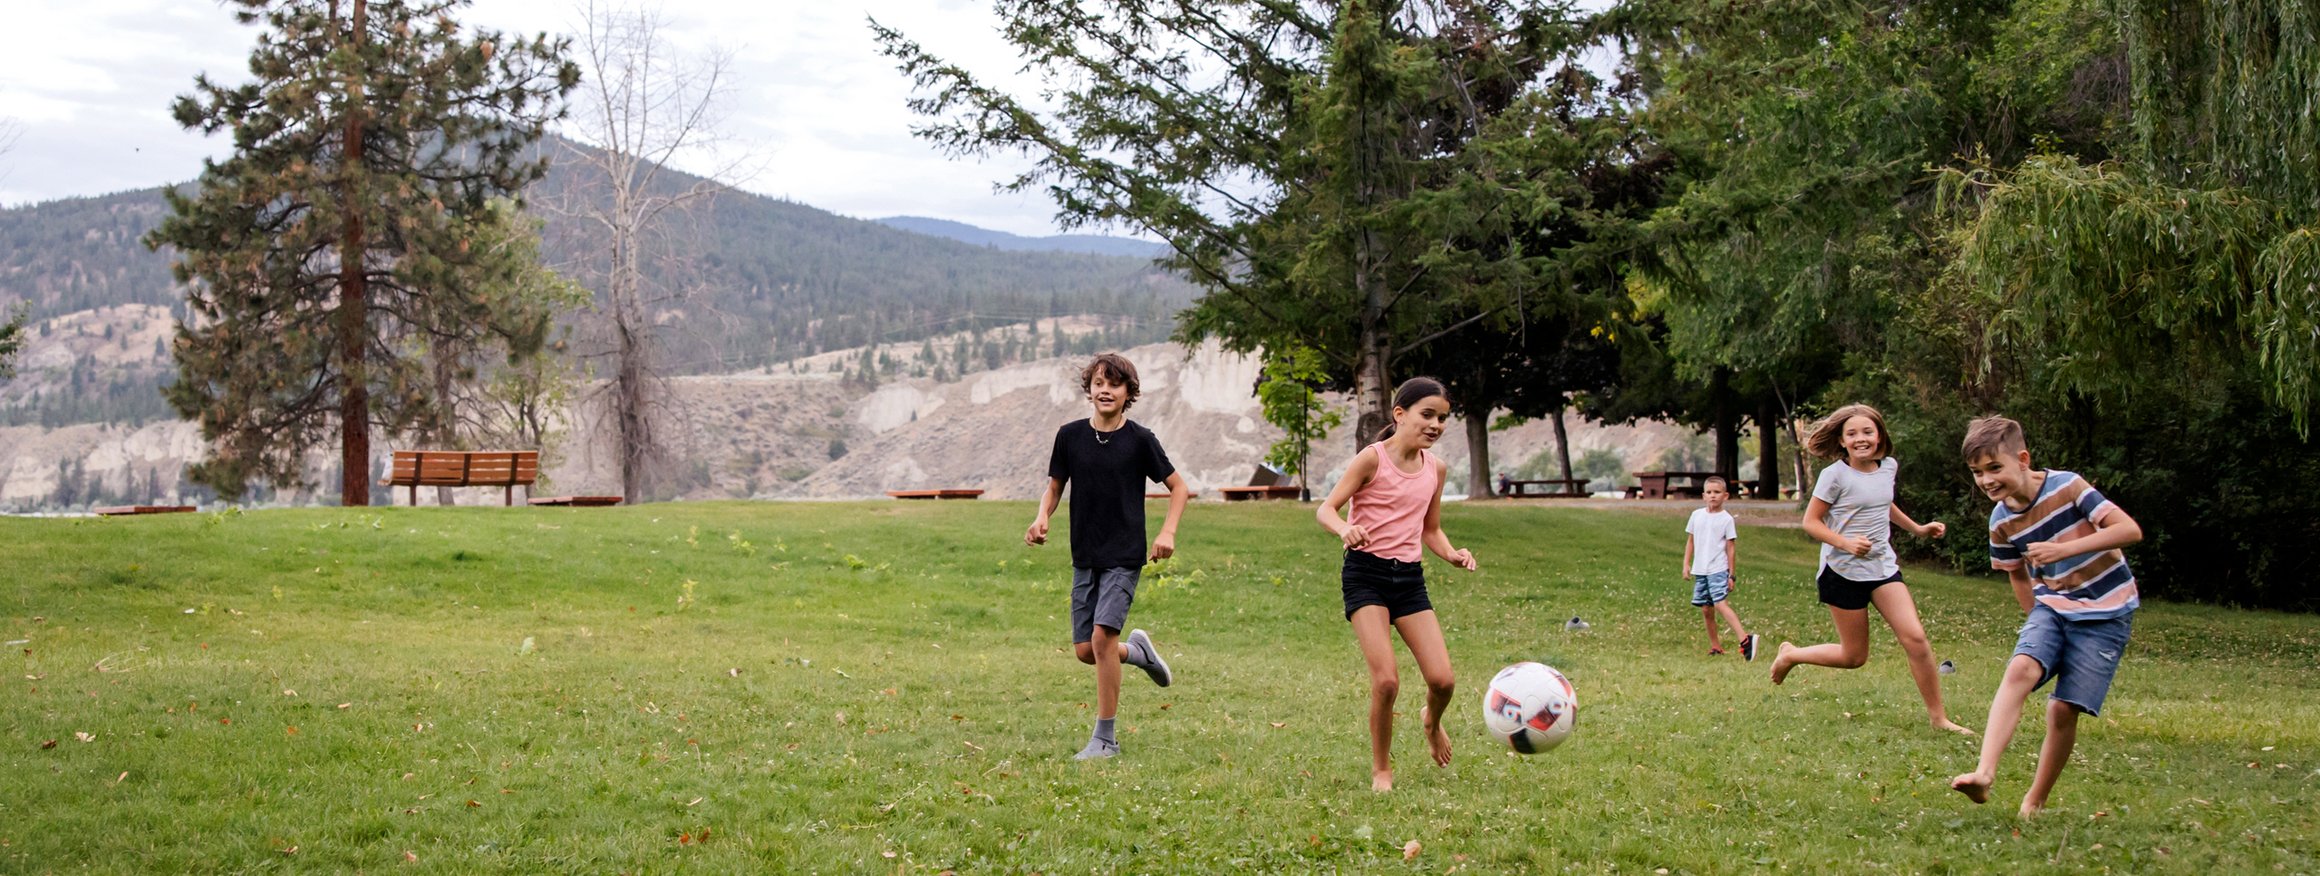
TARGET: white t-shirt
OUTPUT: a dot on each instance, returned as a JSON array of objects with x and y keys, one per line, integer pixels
[
  {"x": 1709, "y": 532},
  {"x": 1860, "y": 504}
]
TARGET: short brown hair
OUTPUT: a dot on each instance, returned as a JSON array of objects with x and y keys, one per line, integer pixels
[
  {"x": 1716, "y": 481},
  {"x": 1992, "y": 436},
  {"x": 1119, "y": 370},
  {"x": 1828, "y": 436}
]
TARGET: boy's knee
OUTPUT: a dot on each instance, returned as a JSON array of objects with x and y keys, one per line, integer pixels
[
  {"x": 2024, "y": 670},
  {"x": 1086, "y": 652}
]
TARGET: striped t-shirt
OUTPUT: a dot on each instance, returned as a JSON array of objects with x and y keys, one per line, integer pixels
[{"x": 2092, "y": 586}]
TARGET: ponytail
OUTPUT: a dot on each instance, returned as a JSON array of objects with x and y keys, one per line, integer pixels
[{"x": 1408, "y": 395}]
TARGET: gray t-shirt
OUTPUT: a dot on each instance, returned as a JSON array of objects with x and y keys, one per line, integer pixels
[{"x": 1860, "y": 504}]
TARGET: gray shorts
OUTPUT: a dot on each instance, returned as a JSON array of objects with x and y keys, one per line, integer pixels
[
  {"x": 1100, "y": 597},
  {"x": 2080, "y": 657}
]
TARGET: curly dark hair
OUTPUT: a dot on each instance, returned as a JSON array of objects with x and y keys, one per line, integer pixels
[{"x": 1119, "y": 370}]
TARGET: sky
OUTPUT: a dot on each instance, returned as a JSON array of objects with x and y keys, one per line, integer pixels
[{"x": 816, "y": 114}]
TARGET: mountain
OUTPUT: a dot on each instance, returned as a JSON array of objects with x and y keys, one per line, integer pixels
[{"x": 1086, "y": 243}]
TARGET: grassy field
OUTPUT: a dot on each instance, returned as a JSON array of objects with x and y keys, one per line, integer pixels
[{"x": 885, "y": 687}]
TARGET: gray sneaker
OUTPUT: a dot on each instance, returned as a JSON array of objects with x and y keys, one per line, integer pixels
[
  {"x": 1097, "y": 749},
  {"x": 1140, "y": 645}
]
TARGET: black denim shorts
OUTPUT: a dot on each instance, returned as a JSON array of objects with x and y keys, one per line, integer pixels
[{"x": 1370, "y": 579}]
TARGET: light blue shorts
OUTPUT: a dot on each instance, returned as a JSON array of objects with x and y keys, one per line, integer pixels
[
  {"x": 1711, "y": 588},
  {"x": 2079, "y": 656}
]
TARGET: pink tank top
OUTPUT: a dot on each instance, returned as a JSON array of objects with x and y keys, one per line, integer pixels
[{"x": 1392, "y": 506}]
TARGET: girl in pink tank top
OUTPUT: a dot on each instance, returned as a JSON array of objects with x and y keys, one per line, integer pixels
[{"x": 1395, "y": 487}]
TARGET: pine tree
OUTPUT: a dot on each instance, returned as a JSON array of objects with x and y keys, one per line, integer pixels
[{"x": 366, "y": 150}]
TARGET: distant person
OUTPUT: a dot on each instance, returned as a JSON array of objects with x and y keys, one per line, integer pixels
[
  {"x": 2058, "y": 540},
  {"x": 1505, "y": 484},
  {"x": 1395, "y": 486},
  {"x": 1711, "y": 564},
  {"x": 1106, "y": 459},
  {"x": 1852, "y": 514}
]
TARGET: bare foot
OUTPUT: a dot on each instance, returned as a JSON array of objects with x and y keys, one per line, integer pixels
[
  {"x": 1951, "y": 726},
  {"x": 1780, "y": 664},
  {"x": 2029, "y": 809},
  {"x": 1381, "y": 781},
  {"x": 1435, "y": 738},
  {"x": 1975, "y": 786}
]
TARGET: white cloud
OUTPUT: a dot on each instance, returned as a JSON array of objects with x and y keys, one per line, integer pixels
[{"x": 819, "y": 111}]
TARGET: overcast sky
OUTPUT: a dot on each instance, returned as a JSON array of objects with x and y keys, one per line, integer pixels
[{"x": 820, "y": 112}]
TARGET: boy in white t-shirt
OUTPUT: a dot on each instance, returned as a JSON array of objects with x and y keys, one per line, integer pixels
[{"x": 1709, "y": 556}]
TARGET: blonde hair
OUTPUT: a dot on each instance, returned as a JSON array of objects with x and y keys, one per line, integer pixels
[{"x": 1828, "y": 436}]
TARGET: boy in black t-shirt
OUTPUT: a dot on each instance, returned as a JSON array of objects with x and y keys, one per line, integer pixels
[{"x": 1106, "y": 458}]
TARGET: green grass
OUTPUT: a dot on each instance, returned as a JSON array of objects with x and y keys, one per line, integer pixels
[{"x": 885, "y": 687}]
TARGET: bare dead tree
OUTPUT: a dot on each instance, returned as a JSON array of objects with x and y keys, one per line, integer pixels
[{"x": 644, "y": 104}]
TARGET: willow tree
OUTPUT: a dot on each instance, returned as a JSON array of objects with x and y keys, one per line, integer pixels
[
  {"x": 1311, "y": 164},
  {"x": 367, "y": 150}
]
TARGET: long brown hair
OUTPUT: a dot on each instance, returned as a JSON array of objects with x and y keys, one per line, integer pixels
[
  {"x": 1408, "y": 395},
  {"x": 1828, "y": 436},
  {"x": 1116, "y": 368}
]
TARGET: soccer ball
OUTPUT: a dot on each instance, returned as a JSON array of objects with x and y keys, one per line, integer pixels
[{"x": 1530, "y": 706}]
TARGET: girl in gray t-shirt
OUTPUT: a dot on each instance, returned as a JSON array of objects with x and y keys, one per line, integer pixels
[{"x": 1852, "y": 515}]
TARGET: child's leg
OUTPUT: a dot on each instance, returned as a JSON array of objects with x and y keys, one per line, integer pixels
[
  {"x": 2061, "y": 736},
  {"x": 1708, "y": 614},
  {"x": 1423, "y": 633},
  {"x": 1377, "y": 651},
  {"x": 1900, "y": 611},
  {"x": 1849, "y": 651},
  {"x": 1731, "y": 619},
  {"x": 2022, "y": 676},
  {"x": 1107, "y": 654}
]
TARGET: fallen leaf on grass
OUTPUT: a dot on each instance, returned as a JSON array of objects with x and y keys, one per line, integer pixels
[
  {"x": 733, "y": 673},
  {"x": 887, "y": 854},
  {"x": 48, "y": 745},
  {"x": 970, "y": 745},
  {"x": 1279, "y": 724},
  {"x": 472, "y": 804},
  {"x": 696, "y": 801},
  {"x": 1410, "y": 850},
  {"x": 346, "y": 705},
  {"x": 116, "y": 782},
  {"x": 84, "y": 737},
  {"x": 410, "y": 857},
  {"x": 291, "y": 730},
  {"x": 292, "y": 850}
]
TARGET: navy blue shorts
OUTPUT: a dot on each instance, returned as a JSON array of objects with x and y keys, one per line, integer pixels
[
  {"x": 1838, "y": 591},
  {"x": 2079, "y": 656},
  {"x": 1370, "y": 579}
]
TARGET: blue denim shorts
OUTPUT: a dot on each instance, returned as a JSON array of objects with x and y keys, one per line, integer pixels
[
  {"x": 1711, "y": 588},
  {"x": 1100, "y": 597},
  {"x": 2080, "y": 657}
]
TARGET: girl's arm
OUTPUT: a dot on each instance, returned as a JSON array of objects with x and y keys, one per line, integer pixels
[
  {"x": 1357, "y": 473},
  {"x": 1037, "y": 533},
  {"x": 1433, "y": 536},
  {"x": 1816, "y": 526},
  {"x": 1935, "y": 529}
]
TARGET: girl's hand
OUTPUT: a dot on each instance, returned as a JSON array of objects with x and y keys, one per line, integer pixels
[
  {"x": 1935, "y": 529},
  {"x": 1462, "y": 558},
  {"x": 1857, "y": 545},
  {"x": 1354, "y": 537}
]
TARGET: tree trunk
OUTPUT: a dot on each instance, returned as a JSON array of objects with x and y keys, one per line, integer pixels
[
  {"x": 1767, "y": 448},
  {"x": 354, "y": 400},
  {"x": 1373, "y": 393},
  {"x": 1478, "y": 455},
  {"x": 1727, "y": 428},
  {"x": 444, "y": 437},
  {"x": 1562, "y": 444}
]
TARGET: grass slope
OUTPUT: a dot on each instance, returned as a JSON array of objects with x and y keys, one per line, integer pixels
[{"x": 884, "y": 687}]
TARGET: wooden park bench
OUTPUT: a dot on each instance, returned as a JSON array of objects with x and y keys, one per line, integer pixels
[
  {"x": 934, "y": 494},
  {"x": 1553, "y": 488},
  {"x": 465, "y": 468},
  {"x": 1265, "y": 483},
  {"x": 1665, "y": 484},
  {"x": 125, "y": 510}
]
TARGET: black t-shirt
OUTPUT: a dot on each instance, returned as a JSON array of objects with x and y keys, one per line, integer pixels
[{"x": 1106, "y": 471}]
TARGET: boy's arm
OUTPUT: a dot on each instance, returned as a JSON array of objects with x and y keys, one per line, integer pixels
[
  {"x": 1731, "y": 563},
  {"x": 2019, "y": 576},
  {"x": 2111, "y": 531},
  {"x": 1165, "y": 546},
  {"x": 1688, "y": 539},
  {"x": 1037, "y": 533}
]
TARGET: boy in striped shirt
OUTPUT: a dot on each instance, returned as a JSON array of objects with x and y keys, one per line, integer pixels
[{"x": 2058, "y": 540}]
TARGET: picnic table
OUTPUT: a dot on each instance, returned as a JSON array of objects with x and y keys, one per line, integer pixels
[
  {"x": 1548, "y": 487},
  {"x": 1273, "y": 491},
  {"x": 934, "y": 494},
  {"x": 125, "y": 510},
  {"x": 1671, "y": 484},
  {"x": 575, "y": 501},
  {"x": 465, "y": 468}
]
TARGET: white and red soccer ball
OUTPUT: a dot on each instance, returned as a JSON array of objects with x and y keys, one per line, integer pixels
[{"x": 1530, "y": 706}]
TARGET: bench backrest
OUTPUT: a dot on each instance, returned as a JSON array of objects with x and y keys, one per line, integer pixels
[{"x": 465, "y": 468}]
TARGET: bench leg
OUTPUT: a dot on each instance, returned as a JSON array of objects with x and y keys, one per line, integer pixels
[
  {"x": 414, "y": 495},
  {"x": 509, "y": 500}
]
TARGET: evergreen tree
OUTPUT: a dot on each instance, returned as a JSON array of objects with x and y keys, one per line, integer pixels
[{"x": 365, "y": 150}]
